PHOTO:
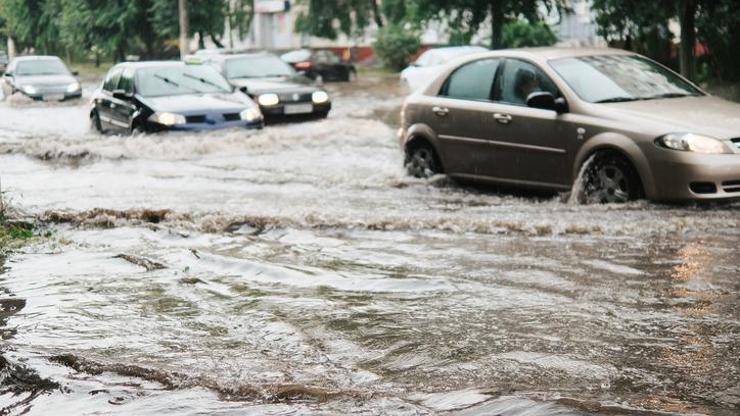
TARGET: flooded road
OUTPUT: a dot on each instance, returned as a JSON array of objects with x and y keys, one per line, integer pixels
[{"x": 298, "y": 270}]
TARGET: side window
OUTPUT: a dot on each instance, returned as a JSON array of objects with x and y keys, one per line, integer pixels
[
  {"x": 127, "y": 81},
  {"x": 519, "y": 79},
  {"x": 333, "y": 58},
  {"x": 472, "y": 81},
  {"x": 111, "y": 80}
]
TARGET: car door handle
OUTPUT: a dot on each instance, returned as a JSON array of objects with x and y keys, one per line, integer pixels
[
  {"x": 440, "y": 111},
  {"x": 502, "y": 118}
]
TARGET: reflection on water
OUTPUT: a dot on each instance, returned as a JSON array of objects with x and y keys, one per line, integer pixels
[{"x": 298, "y": 270}]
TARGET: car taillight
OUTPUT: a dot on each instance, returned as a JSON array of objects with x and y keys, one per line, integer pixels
[{"x": 303, "y": 65}]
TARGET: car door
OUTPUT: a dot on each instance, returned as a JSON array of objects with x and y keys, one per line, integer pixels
[
  {"x": 461, "y": 117},
  {"x": 103, "y": 102},
  {"x": 535, "y": 145},
  {"x": 322, "y": 65},
  {"x": 122, "y": 102}
]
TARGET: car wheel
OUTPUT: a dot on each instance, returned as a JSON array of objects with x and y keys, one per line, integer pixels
[
  {"x": 422, "y": 161},
  {"x": 608, "y": 178},
  {"x": 351, "y": 75}
]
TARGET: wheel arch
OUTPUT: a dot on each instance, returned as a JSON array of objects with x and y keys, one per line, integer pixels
[
  {"x": 625, "y": 147},
  {"x": 420, "y": 133}
]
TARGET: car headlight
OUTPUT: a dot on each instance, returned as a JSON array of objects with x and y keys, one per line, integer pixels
[
  {"x": 689, "y": 142},
  {"x": 319, "y": 97},
  {"x": 29, "y": 89},
  {"x": 73, "y": 87},
  {"x": 168, "y": 119},
  {"x": 251, "y": 114},
  {"x": 268, "y": 99}
]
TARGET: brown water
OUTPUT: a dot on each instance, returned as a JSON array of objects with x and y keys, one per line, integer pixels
[{"x": 298, "y": 270}]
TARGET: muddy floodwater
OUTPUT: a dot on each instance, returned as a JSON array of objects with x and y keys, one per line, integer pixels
[{"x": 298, "y": 270}]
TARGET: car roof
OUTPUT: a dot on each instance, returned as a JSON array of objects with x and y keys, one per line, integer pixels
[
  {"x": 548, "y": 53},
  {"x": 36, "y": 58},
  {"x": 151, "y": 64},
  {"x": 227, "y": 57}
]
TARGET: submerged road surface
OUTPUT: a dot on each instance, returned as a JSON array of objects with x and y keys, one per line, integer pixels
[{"x": 298, "y": 270}]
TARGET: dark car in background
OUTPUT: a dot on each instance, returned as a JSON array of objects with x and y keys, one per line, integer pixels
[
  {"x": 41, "y": 78},
  {"x": 321, "y": 64},
  {"x": 280, "y": 91},
  {"x": 157, "y": 96}
]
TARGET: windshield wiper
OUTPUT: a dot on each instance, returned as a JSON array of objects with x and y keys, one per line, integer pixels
[
  {"x": 204, "y": 81},
  {"x": 167, "y": 80},
  {"x": 669, "y": 95},
  {"x": 616, "y": 100}
]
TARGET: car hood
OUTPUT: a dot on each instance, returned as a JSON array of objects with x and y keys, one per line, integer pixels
[
  {"x": 706, "y": 115},
  {"x": 44, "y": 79},
  {"x": 206, "y": 103},
  {"x": 275, "y": 85}
]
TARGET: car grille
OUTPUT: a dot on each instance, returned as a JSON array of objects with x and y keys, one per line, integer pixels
[
  {"x": 731, "y": 186},
  {"x": 195, "y": 119},
  {"x": 232, "y": 117},
  {"x": 296, "y": 98}
]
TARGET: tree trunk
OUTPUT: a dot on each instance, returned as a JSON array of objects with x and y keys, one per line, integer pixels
[
  {"x": 201, "y": 40},
  {"x": 376, "y": 13},
  {"x": 216, "y": 41},
  {"x": 184, "y": 27},
  {"x": 687, "y": 19},
  {"x": 497, "y": 24},
  {"x": 11, "y": 47}
]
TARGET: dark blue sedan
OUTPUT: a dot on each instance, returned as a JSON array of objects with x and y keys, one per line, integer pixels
[{"x": 157, "y": 96}]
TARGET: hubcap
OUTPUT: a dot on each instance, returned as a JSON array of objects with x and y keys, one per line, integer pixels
[
  {"x": 422, "y": 163},
  {"x": 609, "y": 185}
]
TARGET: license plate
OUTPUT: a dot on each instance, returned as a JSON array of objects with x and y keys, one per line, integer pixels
[
  {"x": 298, "y": 108},
  {"x": 54, "y": 97}
]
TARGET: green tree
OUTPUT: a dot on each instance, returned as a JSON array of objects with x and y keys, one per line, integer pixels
[
  {"x": 329, "y": 18},
  {"x": 522, "y": 33},
  {"x": 718, "y": 27},
  {"x": 207, "y": 19},
  {"x": 395, "y": 44}
]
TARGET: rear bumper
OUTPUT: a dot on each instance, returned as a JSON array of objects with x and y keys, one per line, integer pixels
[{"x": 685, "y": 176}]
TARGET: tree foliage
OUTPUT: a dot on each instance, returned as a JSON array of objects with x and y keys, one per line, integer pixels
[
  {"x": 395, "y": 45},
  {"x": 522, "y": 33},
  {"x": 115, "y": 28}
]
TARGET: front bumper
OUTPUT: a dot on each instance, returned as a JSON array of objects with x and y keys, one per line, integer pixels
[
  {"x": 156, "y": 127},
  {"x": 687, "y": 176},
  {"x": 51, "y": 96},
  {"x": 278, "y": 111}
]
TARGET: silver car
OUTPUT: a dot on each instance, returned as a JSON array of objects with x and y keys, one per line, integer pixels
[{"x": 41, "y": 78}]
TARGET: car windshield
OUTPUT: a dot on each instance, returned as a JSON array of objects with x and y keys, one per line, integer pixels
[
  {"x": 180, "y": 80},
  {"x": 616, "y": 78},
  {"x": 265, "y": 66},
  {"x": 41, "y": 67}
]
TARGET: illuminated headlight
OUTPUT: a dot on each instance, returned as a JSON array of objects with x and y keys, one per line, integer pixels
[
  {"x": 689, "y": 142},
  {"x": 167, "y": 119},
  {"x": 319, "y": 97},
  {"x": 73, "y": 87},
  {"x": 29, "y": 89},
  {"x": 268, "y": 99},
  {"x": 251, "y": 115}
]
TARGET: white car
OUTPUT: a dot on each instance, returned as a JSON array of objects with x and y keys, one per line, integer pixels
[{"x": 431, "y": 63}]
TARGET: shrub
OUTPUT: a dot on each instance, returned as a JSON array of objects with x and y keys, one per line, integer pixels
[
  {"x": 396, "y": 45},
  {"x": 522, "y": 33}
]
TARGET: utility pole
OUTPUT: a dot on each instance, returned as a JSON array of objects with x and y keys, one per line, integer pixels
[
  {"x": 184, "y": 28},
  {"x": 11, "y": 47}
]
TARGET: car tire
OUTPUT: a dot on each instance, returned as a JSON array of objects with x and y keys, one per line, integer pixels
[
  {"x": 607, "y": 178},
  {"x": 422, "y": 161},
  {"x": 351, "y": 75}
]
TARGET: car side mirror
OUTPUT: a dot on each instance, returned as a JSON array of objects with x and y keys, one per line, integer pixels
[
  {"x": 122, "y": 95},
  {"x": 546, "y": 101},
  {"x": 8, "y": 74},
  {"x": 245, "y": 90}
]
